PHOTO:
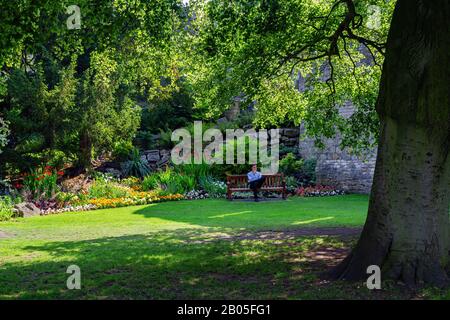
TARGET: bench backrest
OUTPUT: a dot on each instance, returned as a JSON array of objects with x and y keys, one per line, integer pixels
[{"x": 241, "y": 180}]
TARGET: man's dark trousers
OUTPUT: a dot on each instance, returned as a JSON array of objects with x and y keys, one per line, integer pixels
[{"x": 255, "y": 185}]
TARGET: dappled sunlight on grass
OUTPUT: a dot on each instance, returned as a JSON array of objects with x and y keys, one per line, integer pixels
[
  {"x": 211, "y": 249},
  {"x": 166, "y": 264},
  {"x": 312, "y": 220},
  {"x": 229, "y": 214}
]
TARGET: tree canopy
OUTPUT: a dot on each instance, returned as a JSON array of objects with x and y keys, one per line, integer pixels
[
  {"x": 86, "y": 83},
  {"x": 298, "y": 60},
  {"x": 257, "y": 49}
]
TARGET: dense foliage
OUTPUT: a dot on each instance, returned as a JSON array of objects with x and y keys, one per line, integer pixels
[
  {"x": 135, "y": 71},
  {"x": 138, "y": 70},
  {"x": 6, "y": 208},
  {"x": 331, "y": 50},
  {"x": 73, "y": 94},
  {"x": 4, "y": 132}
]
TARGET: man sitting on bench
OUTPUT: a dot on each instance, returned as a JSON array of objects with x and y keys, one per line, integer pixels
[{"x": 255, "y": 180}]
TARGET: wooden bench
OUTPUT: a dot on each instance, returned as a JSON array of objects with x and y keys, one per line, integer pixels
[{"x": 239, "y": 183}]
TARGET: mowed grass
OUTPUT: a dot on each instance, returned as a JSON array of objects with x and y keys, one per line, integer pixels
[
  {"x": 211, "y": 214},
  {"x": 206, "y": 249}
]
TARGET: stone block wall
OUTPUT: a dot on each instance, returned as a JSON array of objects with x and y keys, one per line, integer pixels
[
  {"x": 289, "y": 137},
  {"x": 337, "y": 167},
  {"x": 156, "y": 158}
]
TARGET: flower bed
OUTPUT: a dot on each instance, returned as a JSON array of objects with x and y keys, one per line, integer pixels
[
  {"x": 139, "y": 198},
  {"x": 196, "y": 195},
  {"x": 318, "y": 191},
  {"x": 69, "y": 208},
  {"x": 43, "y": 196}
]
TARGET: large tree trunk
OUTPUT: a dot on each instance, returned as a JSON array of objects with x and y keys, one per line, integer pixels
[
  {"x": 85, "y": 156},
  {"x": 408, "y": 227}
]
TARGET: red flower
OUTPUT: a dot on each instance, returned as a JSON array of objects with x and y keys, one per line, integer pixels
[{"x": 60, "y": 173}]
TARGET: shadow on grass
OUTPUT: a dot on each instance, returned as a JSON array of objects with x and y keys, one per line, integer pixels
[{"x": 181, "y": 264}]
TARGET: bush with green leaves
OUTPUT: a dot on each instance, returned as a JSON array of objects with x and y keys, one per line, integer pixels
[
  {"x": 290, "y": 165},
  {"x": 165, "y": 139},
  {"x": 122, "y": 150},
  {"x": 307, "y": 174},
  {"x": 188, "y": 182},
  {"x": 5, "y": 187},
  {"x": 214, "y": 187},
  {"x": 56, "y": 158},
  {"x": 168, "y": 111},
  {"x": 6, "y": 208},
  {"x": 81, "y": 114},
  {"x": 243, "y": 120},
  {"x": 221, "y": 170},
  {"x": 176, "y": 183},
  {"x": 4, "y": 132},
  {"x": 150, "y": 182},
  {"x": 106, "y": 187},
  {"x": 284, "y": 150},
  {"x": 65, "y": 197},
  {"x": 291, "y": 184},
  {"x": 145, "y": 140},
  {"x": 195, "y": 170},
  {"x": 135, "y": 166},
  {"x": 170, "y": 181},
  {"x": 131, "y": 182}
]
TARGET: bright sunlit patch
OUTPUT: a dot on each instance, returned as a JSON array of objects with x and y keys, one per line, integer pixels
[
  {"x": 229, "y": 214},
  {"x": 312, "y": 220}
]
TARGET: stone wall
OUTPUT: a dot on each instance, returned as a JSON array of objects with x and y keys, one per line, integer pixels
[
  {"x": 156, "y": 158},
  {"x": 336, "y": 167},
  {"x": 289, "y": 137}
]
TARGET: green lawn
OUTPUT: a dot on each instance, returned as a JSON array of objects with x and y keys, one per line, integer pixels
[{"x": 205, "y": 249}]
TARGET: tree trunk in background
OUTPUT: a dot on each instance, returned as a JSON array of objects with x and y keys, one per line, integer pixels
[
  {"x": 85, "y": 156},
  {"x": 407, "y": 232}
]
